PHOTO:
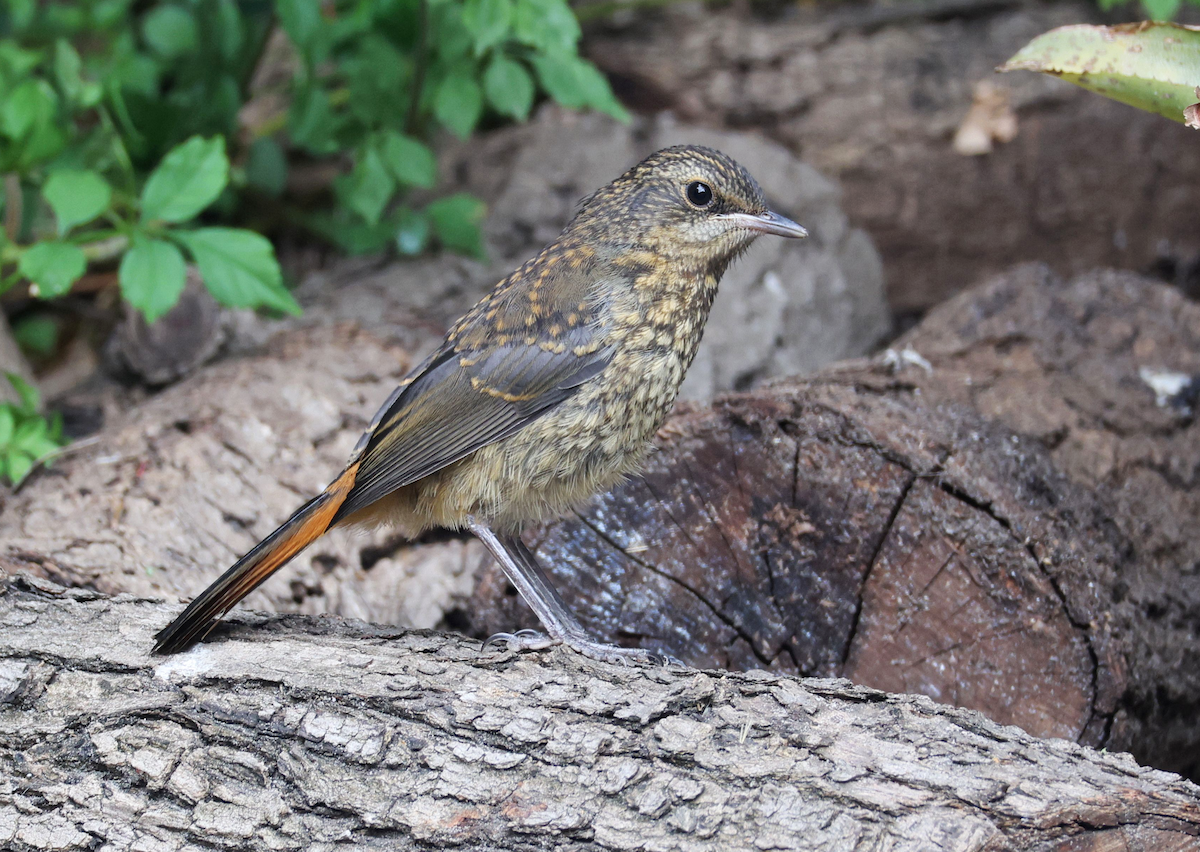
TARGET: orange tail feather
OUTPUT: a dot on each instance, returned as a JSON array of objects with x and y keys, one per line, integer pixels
[{"x": 309, "y": 523}]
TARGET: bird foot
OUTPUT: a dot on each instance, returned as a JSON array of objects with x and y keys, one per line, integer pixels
[
  {"x": 522, "y": 640},
  {"x": 532, "y": 640}
]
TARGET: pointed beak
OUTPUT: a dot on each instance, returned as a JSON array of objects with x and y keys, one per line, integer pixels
[{"x": 766, "y": 223}]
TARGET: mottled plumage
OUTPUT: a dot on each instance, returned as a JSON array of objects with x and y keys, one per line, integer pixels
[{"x": 547, "y": 391}]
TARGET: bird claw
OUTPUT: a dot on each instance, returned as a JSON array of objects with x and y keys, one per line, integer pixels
[
  {"x": 522, "y": 640},
  {"x": 533, "y": 640},
  {"x": 617, "y": 654}
]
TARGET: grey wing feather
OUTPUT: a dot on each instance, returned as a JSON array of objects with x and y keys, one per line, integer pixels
[{"x": 456, "y": 405}]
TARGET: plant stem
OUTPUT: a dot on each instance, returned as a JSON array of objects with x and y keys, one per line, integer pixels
[
  {"x": 14, "y": 206},
  {"x": 421, "y": 61}
]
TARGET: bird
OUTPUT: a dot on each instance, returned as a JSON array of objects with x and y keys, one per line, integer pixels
[{"x": 546, "y": 392}]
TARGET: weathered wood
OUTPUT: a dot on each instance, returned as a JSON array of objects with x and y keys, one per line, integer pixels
[
  {"x": 847, "y": 525},
  {"x": 844, "y": 526},
  {"x": 1061, "y": 362},
  {"x": 322, "y": 734}
]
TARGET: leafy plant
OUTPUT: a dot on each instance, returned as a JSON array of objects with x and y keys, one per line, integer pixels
[
  {"x": 124, "y": 136},
  {"x": 25, "y": 436},
  {"x": 1152, "y": 66},
  {"x": 1156, "y": 10}
]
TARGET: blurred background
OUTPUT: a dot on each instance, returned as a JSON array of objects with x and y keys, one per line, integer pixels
[{"x": 167, "y": 163}]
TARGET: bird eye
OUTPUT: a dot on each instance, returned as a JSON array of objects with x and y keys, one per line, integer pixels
[{"x": 700, "y": 194}]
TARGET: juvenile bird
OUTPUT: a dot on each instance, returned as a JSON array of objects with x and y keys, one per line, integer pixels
[{"x": 546, "y": 392}]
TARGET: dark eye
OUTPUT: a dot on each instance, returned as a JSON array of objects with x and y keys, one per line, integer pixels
[{"x": 700, "y": 194}]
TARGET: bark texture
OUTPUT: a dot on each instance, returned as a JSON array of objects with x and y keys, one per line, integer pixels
[
  {"x": 914, "y": 530},
  {"x": 326, "y": 735},
  {"x": 844, "y": 526},
  {"x": 1006, "y": 528}
]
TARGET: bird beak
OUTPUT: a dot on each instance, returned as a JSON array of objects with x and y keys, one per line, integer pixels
[{"x": 766, "y": 223}]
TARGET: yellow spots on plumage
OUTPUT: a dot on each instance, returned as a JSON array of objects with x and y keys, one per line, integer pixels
[
  {"x": 555, "y": 330},
  {"x": 572, "y": 320},
  {"x": 533, "y": 292},
  {"x": 530, "y": 322},
  {"x": 530, "y": 340}
]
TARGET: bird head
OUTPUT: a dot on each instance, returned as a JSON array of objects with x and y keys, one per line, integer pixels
[{"x": 693, "y": 204}]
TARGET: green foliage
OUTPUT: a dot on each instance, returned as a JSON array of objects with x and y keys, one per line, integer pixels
[
  {"x": 37, "y": 334},
  {"x": 1152, "y": 66},
  {"x": 25, "y": 435},
  {"x": 1156, "y": 10},
  {"x": 123, "y": 135}
]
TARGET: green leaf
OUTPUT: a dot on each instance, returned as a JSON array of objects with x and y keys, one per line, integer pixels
[
  {"x": 548, "y": 25},
  {"x": 152, "y": 276},
  {"x": 369, "y": 187},
  {"x": 1154, "y": 67},
  {"x": 487, "y": 21},
  {"x": 189, "y": 178},
  {"x": 266, "y": 167},
  {"x": 1161, "y": 10},
  {"x": 18, "y": 463},
  {"x": 350, "y": 233},
  {"x": 412, "y": 233},
  {"x": 7, "y": 423},
  {"x": 456, "y": 221},
  {"x": 412, "y": 163},
  {"x": 458, "y": 103},
  {"x": 301, "y": 20},
  {"x": 21, "y": 13},
  {"x": 67, "y": 68},
  {"x": 31, "y": 400},
  {"x": 31, "y": 102},
  {"x": 33, "y": 436},
  {"x": 239, "y": 268},
  {"x": 226, "y": 28},
  {"x": 311, "y": 121},
  {"x": 575, "y": 83},
  {"x": 53, "y": 267},
  {"x": 170, "y": 31},
  {"x": 76, "y": 197},
  {"x": 508, "y": 87},
  {"x": 37, "y": 334}
]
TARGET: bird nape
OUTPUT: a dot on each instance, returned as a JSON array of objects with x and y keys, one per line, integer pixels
[{"x": 546, "y": 392}]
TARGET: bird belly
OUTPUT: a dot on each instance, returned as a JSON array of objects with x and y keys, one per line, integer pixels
[{"x": 585, "y": 445}]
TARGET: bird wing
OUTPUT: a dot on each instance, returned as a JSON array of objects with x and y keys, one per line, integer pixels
[{"x": 479, "y": 387}]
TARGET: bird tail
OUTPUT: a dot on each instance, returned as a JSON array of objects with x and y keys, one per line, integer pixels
[{"x": 308, "y": 523}]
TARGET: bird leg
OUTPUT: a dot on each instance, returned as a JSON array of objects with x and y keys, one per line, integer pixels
[{"x": 562, "y": 627}]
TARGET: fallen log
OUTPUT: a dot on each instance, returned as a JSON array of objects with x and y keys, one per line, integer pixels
[
  {"x": 1002, "y": 523},
  {"x": 300, "y": 733},
  {"x": 860, "y": 523}
]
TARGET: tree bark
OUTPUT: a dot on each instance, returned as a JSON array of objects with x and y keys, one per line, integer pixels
[
  {"x": 916, "y": 530},
  {"x": 1006, "y": 527},
  {"x": 298, "y": 733}
]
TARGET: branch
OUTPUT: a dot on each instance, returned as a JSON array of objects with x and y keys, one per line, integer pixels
[{"x": 290, "y": 732}]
